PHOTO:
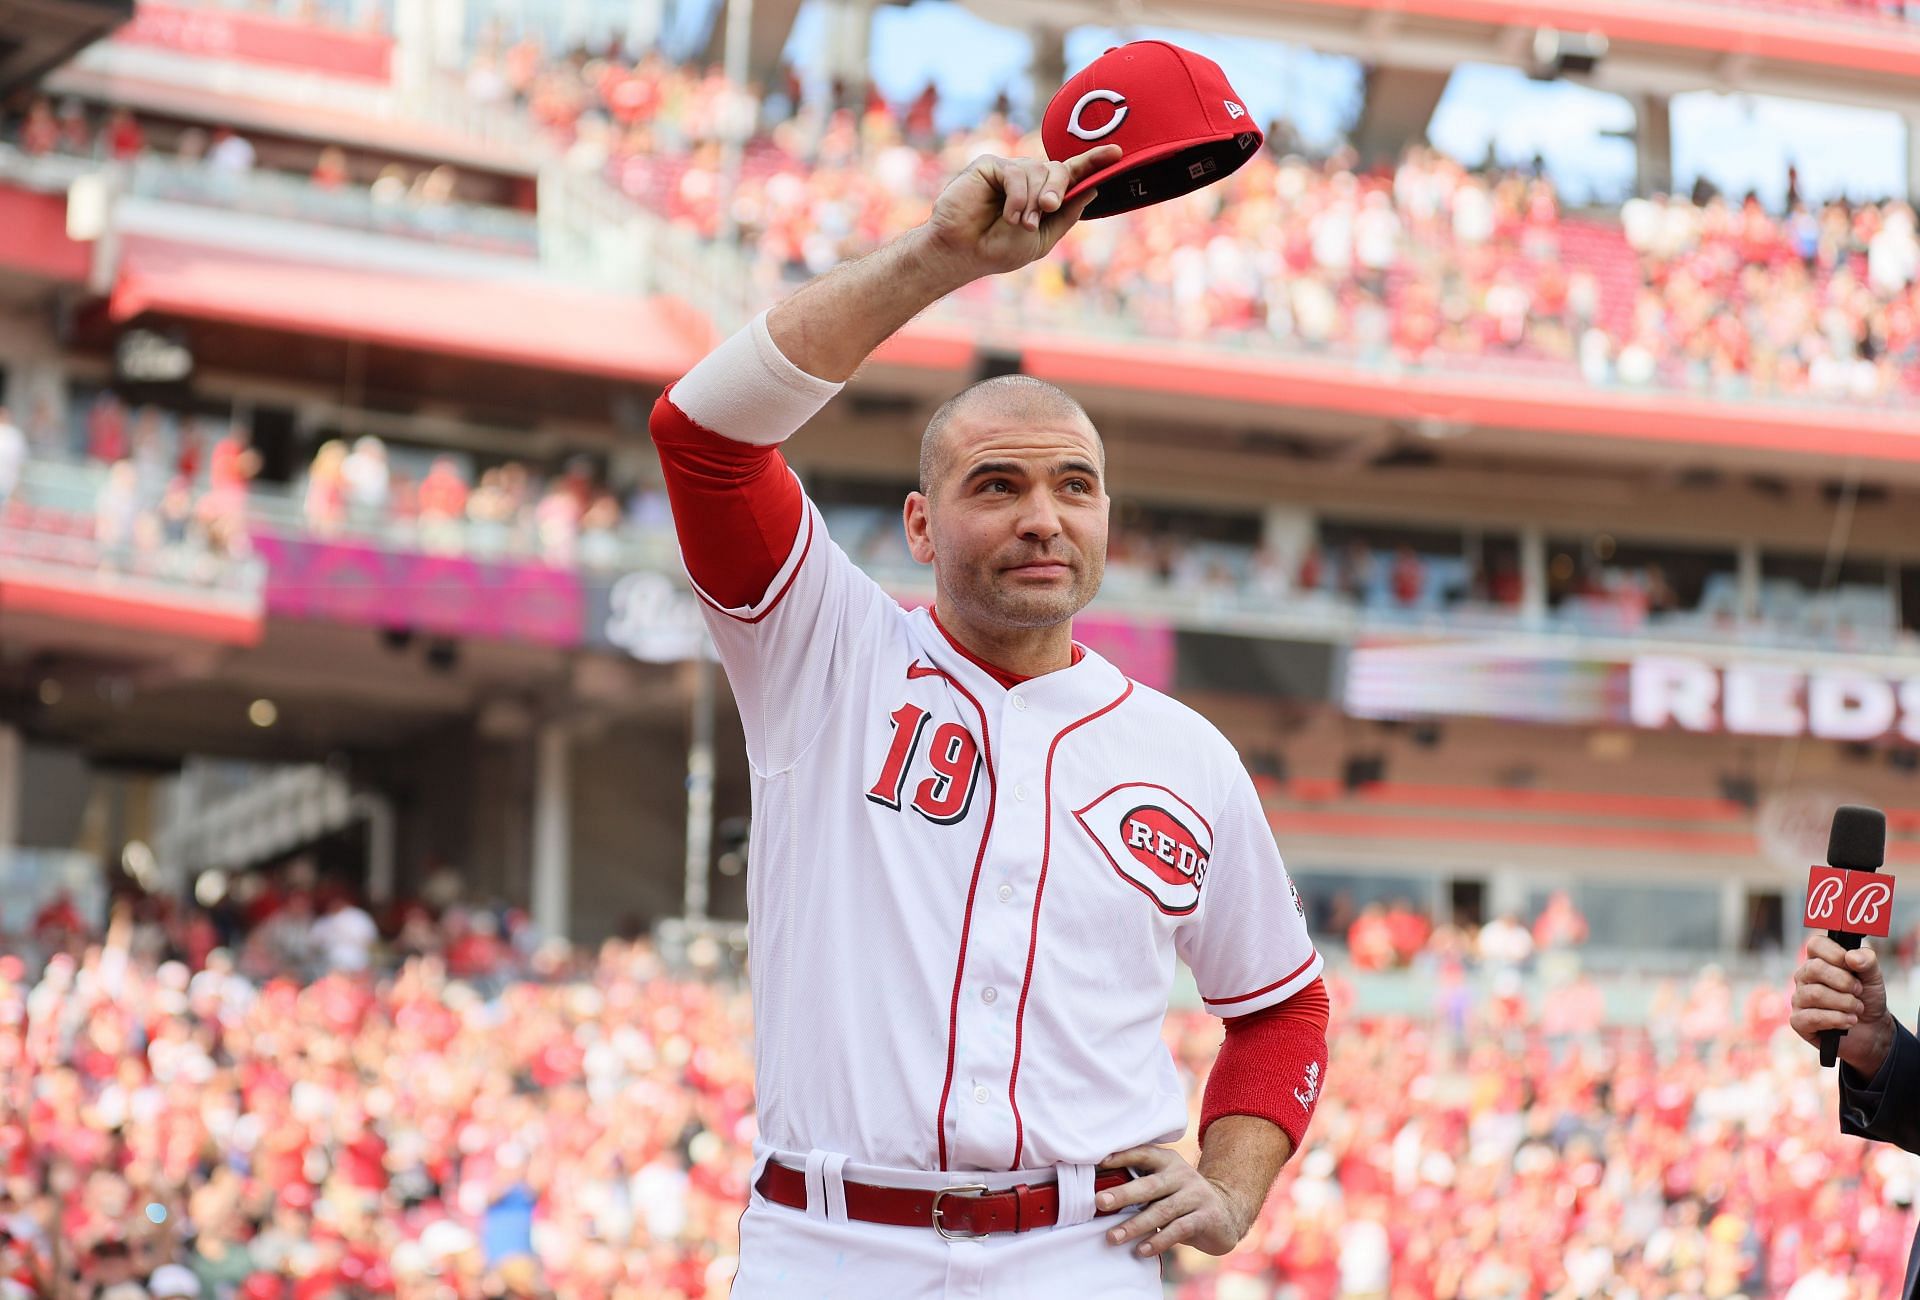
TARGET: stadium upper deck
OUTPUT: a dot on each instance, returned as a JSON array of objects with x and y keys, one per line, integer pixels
[{"x": 1428, "y": 479}]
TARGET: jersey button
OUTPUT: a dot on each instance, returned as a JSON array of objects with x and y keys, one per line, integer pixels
[
  {"x": 1006, "y": 893},
  {"x": 989, "y": 994},
  {"x": 1020, "y": 793},
  {"x": 980, "y": 1094},
  {"x": 1020, "y": 703}
]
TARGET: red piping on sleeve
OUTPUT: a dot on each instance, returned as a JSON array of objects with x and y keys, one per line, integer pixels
[{"x": 1273, "y": 1064}]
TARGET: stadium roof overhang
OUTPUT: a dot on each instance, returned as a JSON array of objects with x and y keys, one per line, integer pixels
[
  {"x": 37, "y": 36},
  {"x": 516, "y": 340},
  {"x": 1663, "y": 47}
]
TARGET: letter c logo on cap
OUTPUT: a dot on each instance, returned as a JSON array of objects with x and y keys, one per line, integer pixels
[{"x": 1113, "y": 97}]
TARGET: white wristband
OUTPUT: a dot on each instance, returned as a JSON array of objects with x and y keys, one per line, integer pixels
[{"x": 747, "y": 390}]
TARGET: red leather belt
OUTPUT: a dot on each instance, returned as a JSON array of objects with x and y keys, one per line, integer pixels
[{"x": 953, "y": 1212}]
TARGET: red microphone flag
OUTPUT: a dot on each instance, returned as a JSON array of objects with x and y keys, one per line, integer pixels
[{"x": 1855, "y": 902}]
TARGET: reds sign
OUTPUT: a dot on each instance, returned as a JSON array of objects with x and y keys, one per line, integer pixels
[
  {"x": 1155, "y": 840},
  {"x": 1853, "y": 902}
]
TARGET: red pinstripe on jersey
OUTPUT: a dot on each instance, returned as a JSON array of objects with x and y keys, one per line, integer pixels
[
  {"x": 1293, "y": 974},
  {"x": 1033, "y": 937},
  {"x": 916, "y": 671}
]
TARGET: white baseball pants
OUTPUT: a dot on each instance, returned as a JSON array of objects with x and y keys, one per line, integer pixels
[{"x": 820, "y": 1254}]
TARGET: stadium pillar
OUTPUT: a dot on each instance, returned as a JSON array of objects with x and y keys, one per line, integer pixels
[
  {"x": 849, "y": 44},
  {"x": 11, "y": 756},
  {"x": 1653, "y": 143},
  {"x": 1913, "y": 157},
  {"x": 1399, "y": 105},
  {"x": 1049, "y": 67},
  {"x": 428, "y": 35},
  {"x": 1747, "y": 578},
  {"x": 700, "y": 793},
  {"x": 1733, "y": 914},
  {"x": 552, "y": 829},
  {"x": 1287, "y": 533},
  {"x": 1533, "y": 577}
]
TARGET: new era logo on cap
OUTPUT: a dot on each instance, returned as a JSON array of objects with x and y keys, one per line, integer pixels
[{"x": 1178, "y": 124}]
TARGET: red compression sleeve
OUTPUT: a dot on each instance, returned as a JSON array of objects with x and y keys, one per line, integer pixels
[
  {"x": 736, "y": 505},
  {"x": 1273, "y": 1064}
]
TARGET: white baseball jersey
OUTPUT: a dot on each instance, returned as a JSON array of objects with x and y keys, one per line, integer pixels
[{"x": 965, "y": 900}]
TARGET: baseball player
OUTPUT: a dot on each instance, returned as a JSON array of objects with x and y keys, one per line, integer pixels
[{"x": 977, "y": 846}]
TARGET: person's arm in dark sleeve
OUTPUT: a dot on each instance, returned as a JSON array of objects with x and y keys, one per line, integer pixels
[{"x": 1887, "y": 1106}]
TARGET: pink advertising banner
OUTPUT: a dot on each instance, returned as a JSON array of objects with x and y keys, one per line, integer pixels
[{"x": 345, "y": 582}]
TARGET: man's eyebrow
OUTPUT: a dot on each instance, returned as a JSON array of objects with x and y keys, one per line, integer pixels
[
  {"x": 988, "y": 468},
  {"x": 1076, "y": 466}
]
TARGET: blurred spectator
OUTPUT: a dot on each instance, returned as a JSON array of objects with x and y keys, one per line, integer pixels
[
  {"x": 116, "y": 512},
  {"x": 344, "y": 937},
  {"x": 1505, "y": 943},
  {"x": 330, "y": 170},
  {"x": 325, "y": 504},
  {"x": 76, "y": 133},
  {"x": 1559, "y": 925},
  {"x": 230, "y": 152},
  {"x": 41, "y": 132},
  {"x": 368, "y": 481},
  {"x": 443, "y": 505},
  {"x": 106, "y": 429},
  {"x": 1370, "y": 940},
  {"x": 125, "y": 139}
]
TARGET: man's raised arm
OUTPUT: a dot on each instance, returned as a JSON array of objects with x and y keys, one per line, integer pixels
[{"x": 736, "y": 507}]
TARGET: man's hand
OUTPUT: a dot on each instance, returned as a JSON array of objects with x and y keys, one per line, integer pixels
[
  {"x": 1002, "y": 213},
  {"x": 999, "y": 214},
  {"x": 1182, "y": 1205},
  {"x": 1841, "y": 989}
]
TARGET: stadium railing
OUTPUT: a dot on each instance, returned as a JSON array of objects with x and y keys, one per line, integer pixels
[
  {"x": 275, "y": 194},
  {"x": 62, "y": 496}
]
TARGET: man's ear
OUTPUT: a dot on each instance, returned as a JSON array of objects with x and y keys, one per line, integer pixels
[{"x": 918, "y": 518}]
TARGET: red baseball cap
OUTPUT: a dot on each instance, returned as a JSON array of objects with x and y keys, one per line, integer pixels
[{"x": 1178, "y": 123}]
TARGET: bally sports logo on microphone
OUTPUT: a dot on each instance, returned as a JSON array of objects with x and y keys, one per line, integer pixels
[{"x": 1857, "y": 902}]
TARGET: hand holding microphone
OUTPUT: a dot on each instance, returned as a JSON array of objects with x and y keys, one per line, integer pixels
[
  {"x": 1841, "y": 990},
  {"x": 1839, "y": 995}
]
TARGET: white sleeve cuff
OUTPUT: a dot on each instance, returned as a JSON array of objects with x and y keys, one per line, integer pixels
[{"x": 748, "y": 391}]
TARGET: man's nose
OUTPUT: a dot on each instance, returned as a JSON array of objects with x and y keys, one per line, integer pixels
[{"x": 1039, "y": 519}]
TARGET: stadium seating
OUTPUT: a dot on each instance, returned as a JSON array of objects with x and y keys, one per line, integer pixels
[{"x": 490, "y": 1121}]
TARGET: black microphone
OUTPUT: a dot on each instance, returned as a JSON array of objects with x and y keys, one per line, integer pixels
[{"x": 1857, "y": 842}]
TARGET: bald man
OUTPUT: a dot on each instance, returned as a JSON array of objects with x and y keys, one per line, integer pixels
[{"x": 978, "y": 847}]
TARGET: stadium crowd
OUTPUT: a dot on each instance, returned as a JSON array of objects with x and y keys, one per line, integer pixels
[
  {"x": 1423, "y": 261},
  {"x": 492, "y": 1117}
]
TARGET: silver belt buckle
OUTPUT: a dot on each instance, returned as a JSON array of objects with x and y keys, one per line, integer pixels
[{"x": 975, "y": 1189}]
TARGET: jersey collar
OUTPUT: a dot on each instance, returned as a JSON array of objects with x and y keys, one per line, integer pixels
[
  {"x": 1089, "y": 680},
  {"x": 1006, "y": 679}
]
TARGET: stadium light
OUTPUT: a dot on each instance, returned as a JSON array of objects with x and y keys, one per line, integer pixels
[
  {"x": 263, "y": 713},
  {"x": 1558, "y": 54}
]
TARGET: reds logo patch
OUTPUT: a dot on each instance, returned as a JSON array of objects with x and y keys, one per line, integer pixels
[
  {"x": 1077, "y": 127},
  {"x": 1157, "y": 841}
]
